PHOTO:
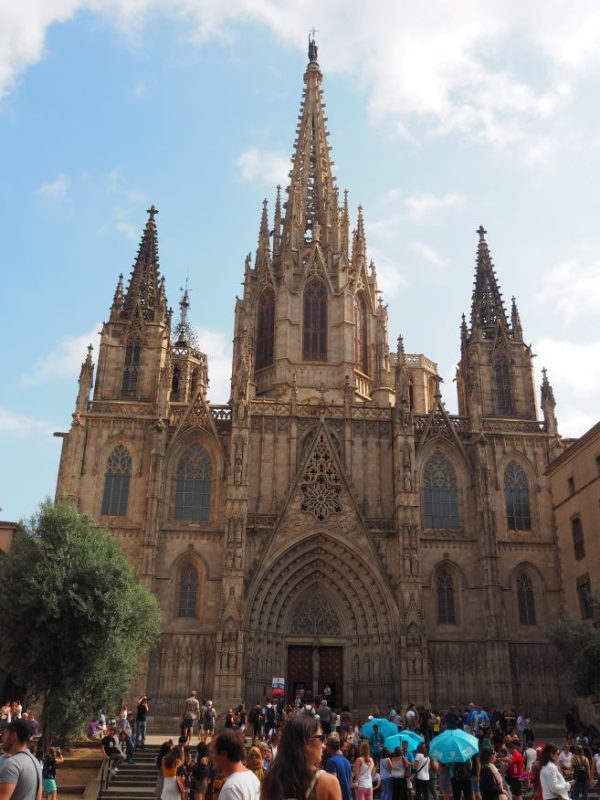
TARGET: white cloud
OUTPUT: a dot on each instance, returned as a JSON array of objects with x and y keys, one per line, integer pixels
[
  {"x": 455, "y": 71},
  {"x": 265, "y": 166},
  {"x": 65, "y": 360},
  {"x": 51, "y": 190},
  {"x": 423, "y": 205},
  {"x": 390, "y": 276},
  {"x": 574, "y": 373},
  {"x": 219, "y": 349},
  {"x": 429, "y": 254},
  {"x": 21, "y": 425},
  {"x": 572, "y": 288},
  {"x": 541, "y": 152}
]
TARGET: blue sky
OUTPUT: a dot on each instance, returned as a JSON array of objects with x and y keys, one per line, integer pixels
[{"x": 437, "y": 124}]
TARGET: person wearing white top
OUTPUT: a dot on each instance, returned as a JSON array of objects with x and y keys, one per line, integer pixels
[
  {"x": 421, "y": 767},
  {"x": 227, "y": 752},
  {"x": 552, "y": 782},
  {"x": 530, "y": 758},
  {"x": 363, "y": 771},
  {"x": 565, "y": 758}
]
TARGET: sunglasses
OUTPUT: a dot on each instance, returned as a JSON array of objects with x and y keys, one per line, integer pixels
[{"x": 320, "y": 736}]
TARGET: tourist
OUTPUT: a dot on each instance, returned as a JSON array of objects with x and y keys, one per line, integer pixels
[
  {"x": 324, "y": 714},
  {"x": 240, "y": 783},
  {"x": 229, "y": 718},
  {"x": 209, "y": 715},
  {"x": 338, "y": 765},
  {"x": 295, "y": 772},
  {"x": 421, "y": 767},
  {"x": 20, "y": 773},
  {"x": 376, "y": 743},
  {"x": 581, "y": 775},
  {"x": 444, "y": 781},
  {"x": 170, "y": 764},
  {"x": 596, "y": 766},
  {"x": 254, "y": 762},
  {"x": 164, "y": 749},
  {"x": 530, "y": 756},
  {"x": 553, "y": 783},
  {"x": 385, "y": 775},
  {"x": 270, "y": 720},
  {"x": 399, "y": 766},
  {"x": 452, "y": 719},
  {"x": 125, "y": 733},
  {"x": 490, "y": 779},
  {"x": 141, "y": 715},
  {"x": 112, "y": 751},
  {"x": 255, "y": 718},
  {"x": 460, "y": 779},
  {"x": 241, "y": 717},
  {"x": 191, "y": 713},
  {"x": 363, "y": 772},
  {"x": 514, "y": 770},
  {"x": 200, "y": 772},
  {"x": 51, "y": 759},
  {"x": 565, "y": 759}
]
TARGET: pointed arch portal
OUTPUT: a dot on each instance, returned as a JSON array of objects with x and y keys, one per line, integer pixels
[{"x": 311, "y": 611}]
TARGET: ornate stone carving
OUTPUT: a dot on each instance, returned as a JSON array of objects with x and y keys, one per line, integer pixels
[
  {"x": 321, "y": 485},
  {"x": 314, "y": 615}
]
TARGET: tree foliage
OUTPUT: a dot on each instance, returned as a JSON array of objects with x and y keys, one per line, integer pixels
[
  {"x": 579, "y": 648},
  {"x": 75, "y": 618}
]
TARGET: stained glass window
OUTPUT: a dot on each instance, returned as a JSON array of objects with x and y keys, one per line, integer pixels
[
  {"x": 192, "y": 485},
  {"x": 516, "y": 497},
  {"x": 440, "y": 494},
  {"x": 526, "y": 601},
  {"x": 188, "y": 591},
  {"x": 314, "y": 347},
  {"x": 445, "y": 598},
  {"x": 116, "y": 482}
]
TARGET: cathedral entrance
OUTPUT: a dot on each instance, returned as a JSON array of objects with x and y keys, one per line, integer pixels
[{"x": 315, "y": 671}]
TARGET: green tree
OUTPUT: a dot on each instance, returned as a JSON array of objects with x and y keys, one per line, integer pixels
[
  {"x": 579, "y": 648},
  {"x": 75, "y": 619}
]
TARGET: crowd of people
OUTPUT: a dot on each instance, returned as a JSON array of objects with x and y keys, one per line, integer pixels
[{"x": 278, "y": 751}]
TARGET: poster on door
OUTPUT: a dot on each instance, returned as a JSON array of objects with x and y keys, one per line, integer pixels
[{"x": 278, "y": 687}]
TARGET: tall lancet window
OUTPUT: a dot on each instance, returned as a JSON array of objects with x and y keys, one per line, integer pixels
[
  {"x": 361, "y": 343},
  {"x": 131, "y": 368},
  {"x": 445, "y": 598},
  {"x": 188, "y": 591},
  {"x": 526, "y": 601},
  {"x": 192, "y": 485},
  {"x": 504, "y": 393},
  {"x": 265, "y": 328},
  {"x": 516, "y": 497},
  {"x": 116, "y": 482},
  {"x": 440, "y": 493},
  {"x": 314, "y": 342}
]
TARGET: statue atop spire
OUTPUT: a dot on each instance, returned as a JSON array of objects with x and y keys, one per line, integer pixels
[{"x": 312, "y": 46}]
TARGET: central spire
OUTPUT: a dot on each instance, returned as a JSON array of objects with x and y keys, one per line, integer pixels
[
  {"x": 311, "y": 208},
  {"x": 487, "y": 306}
]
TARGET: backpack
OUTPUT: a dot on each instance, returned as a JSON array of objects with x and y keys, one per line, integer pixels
[
  {"x": 253, "y": 715},
  {"x": 209, "y": 716},
  {"x": 581, "y": 773}
]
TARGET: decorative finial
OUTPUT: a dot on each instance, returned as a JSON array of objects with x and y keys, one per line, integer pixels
[
  {"x": 482, "y": 232},
  {"x": 400, "y": 346},
  {"x": 152, "y": 212},
  {"x": 312, "y": 45},
  {"x": 438, "y": 392}
]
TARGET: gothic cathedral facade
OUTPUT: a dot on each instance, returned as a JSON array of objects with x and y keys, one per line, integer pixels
[{"x": 332, "y": 524}]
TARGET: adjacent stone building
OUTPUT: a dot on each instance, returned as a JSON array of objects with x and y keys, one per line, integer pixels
[
  {"x": 575, "y": 481},
  {"x": 332, "y": 523}
]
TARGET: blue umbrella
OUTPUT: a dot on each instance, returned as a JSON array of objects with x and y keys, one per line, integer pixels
[
  {"x": 386, "y": 728},
  {"x": 412, "y": 739},
  {"x": 453, "y": 746}
]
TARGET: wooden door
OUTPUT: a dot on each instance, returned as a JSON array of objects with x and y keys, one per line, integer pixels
[
  {"x": 331, "y": 675},
  {"x": 300, "y": 673}
]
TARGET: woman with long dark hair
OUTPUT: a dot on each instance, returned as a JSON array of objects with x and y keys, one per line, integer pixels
[
  {"x": 553, "y": 783},
  {"x": 295, "y": 772}
]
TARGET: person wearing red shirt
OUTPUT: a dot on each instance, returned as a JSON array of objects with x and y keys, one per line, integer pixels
[{"x": 514, "y": 772}]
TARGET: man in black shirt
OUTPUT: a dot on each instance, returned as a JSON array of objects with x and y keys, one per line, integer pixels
[
  {"x": 140, "y": 722},
  {"x": 112, "y": 751}
]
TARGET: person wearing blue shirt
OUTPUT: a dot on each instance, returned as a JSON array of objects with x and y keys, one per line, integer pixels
[
  {"x": 338, "y": 765},
  {"x": 376, "y": 743}
]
